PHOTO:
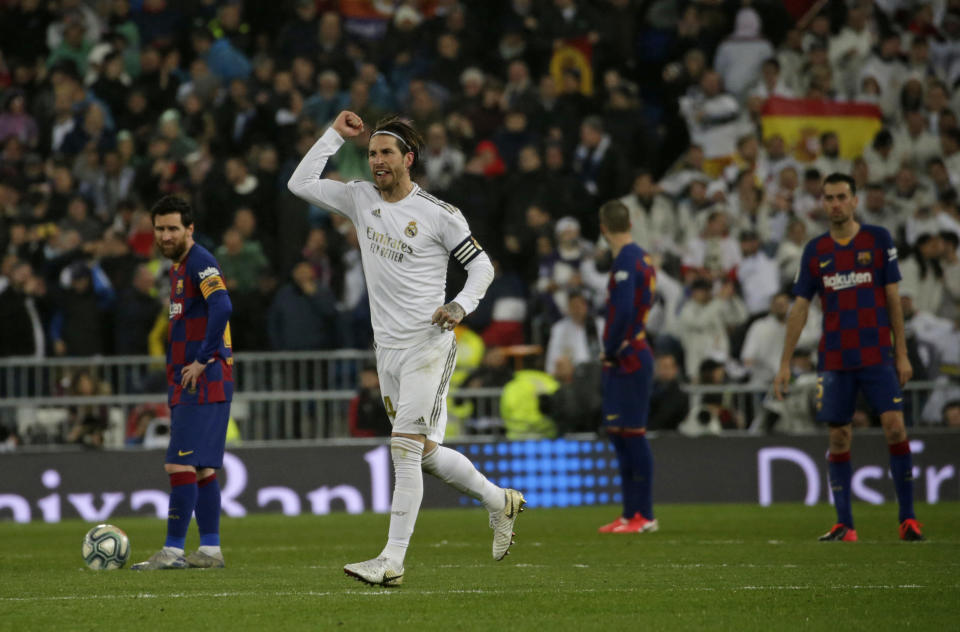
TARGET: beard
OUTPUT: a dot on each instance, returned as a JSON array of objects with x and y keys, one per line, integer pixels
[{"x": 174, "y": 251}]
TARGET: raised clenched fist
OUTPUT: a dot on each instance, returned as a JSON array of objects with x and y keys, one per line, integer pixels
[{"x": 348, "y": 124}]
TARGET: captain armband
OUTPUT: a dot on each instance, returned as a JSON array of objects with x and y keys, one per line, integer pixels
[{"x": 467, "y": 250}]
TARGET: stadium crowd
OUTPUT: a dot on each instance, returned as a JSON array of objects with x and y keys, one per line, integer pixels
[{"x": 534, "y": 112}]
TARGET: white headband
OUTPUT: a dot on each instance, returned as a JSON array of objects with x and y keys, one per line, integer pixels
[{"x": 397, "y": 136}]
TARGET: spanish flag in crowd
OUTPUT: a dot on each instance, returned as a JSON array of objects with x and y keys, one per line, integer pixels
[
  {"x": 798, "y": 119},
  {"x": 574, "y": 54}
]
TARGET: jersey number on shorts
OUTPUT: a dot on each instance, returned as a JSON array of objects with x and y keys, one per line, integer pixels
[{"x": 391, "y": 411}]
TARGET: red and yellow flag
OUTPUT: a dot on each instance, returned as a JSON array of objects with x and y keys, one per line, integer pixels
[{"x": 797, "y": 119}]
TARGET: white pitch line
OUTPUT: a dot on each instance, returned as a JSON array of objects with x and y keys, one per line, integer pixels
[{"x": 381, "y": 592}]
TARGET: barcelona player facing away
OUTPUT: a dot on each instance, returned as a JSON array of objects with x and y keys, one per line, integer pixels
[
  {"x": 854, "y": 269},
  {"x": 199, "y": 386},
  {"x": 628, "y": 370}
]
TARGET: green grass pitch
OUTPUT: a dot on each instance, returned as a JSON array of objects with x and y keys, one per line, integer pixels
[{"x": 709, "y": 567}]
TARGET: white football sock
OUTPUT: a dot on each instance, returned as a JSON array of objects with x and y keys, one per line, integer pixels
[
  {"x": 458, "y": 471},
  {"x": 173, "y": 549},
  {"x": 209, "y": 550},
  {"x": 407, "y": 494}
]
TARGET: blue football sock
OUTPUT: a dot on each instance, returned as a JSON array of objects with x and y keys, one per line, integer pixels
[
  {"x": 841, "y": 473},
  {"x": 183, "y": 498},
  {"x": 901, "y": 468},
  {"x": 627, "y": 487},
  {"x": 641, "y": 465},
  {"x": 208, "y": 511}
]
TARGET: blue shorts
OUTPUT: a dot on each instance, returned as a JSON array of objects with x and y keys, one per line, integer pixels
[
  {"x": 837, "y": 392},
  {"x": 626, "y": 396},
  {"x": 198, "y": 433}
]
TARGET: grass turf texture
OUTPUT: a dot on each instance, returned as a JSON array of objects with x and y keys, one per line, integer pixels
[{"x": 709, "y": 567}]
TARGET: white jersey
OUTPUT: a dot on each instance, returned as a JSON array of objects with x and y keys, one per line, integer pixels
[{"x": 404, "y": 246}]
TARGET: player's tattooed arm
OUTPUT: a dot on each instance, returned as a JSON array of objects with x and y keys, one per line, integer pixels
[{"x": 448, "y": 316}]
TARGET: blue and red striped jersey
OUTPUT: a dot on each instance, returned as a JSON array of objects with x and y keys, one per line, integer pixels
[
  {"x": 199, "y": 329},
  {"x": 632, "y": 283},
  {"x": 851, "y": 279}
]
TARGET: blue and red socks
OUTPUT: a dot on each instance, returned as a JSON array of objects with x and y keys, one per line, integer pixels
[
  {"x": 208, "y": 511},
  {"x": 635, "y": 460},
  {"x": 626, "y": 475},
  {"x": 183, "y": 498},
  {"x": 641, "y": 466},
  {"x": 901, "y": 468},
  {"x": 841, "y": 474}
]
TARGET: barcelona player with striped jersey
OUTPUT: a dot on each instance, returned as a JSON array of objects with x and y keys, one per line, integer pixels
[
  {"x": 200, "y": 387},
  {"x": 628, "y": 370},
  {"x": 854, "y": 269}
]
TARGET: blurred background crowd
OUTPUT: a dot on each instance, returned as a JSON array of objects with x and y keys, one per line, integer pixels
[{"x": 534, "y": 112}]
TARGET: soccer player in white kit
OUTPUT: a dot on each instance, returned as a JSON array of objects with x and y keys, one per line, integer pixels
[{"x": 406, "y": 239}]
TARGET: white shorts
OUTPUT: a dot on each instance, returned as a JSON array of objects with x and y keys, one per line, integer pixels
[{"x": 414, "y": 384}]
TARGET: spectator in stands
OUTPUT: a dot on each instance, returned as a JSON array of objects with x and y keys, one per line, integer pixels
[
  {"x": 830, "y": 160},
  {"x": 669, "y": 405},
  {"x": 848, "y": 51},
  {"x": 317, "y": 253},
  {"x": 923, "y": 274},
  {"x": 246, "y": 191},
  {"x": 876, "y": 210},
  {"x": 303, "y": 315},
  {"x": 713, "y": 253},
  {"x": 704, "y": 322},
  {"x": 77, "y": 327},
  {"x": 757, "y": 273},
  {"x": 242, "y": 262},
  {"x": 86, "y": 424},
  {"x": 367, "y": 416},
  {"x": 909, "y": 194},
  {"x": 524, "y": 405},
  {"x": 139, "y": 420},
  {"x": 78, "y": 219},
  {"x": 741, "y": 56},
  {"x": 181, "y": 145},
  {"x": 883, "y": 157},
  {"x": 16, "y": 122},
  {"x": 713, "y": 413},
  {"x": 597, "y": 162},
  {"x": 772, "y": 83},
  {"x": 916, "y": 142},
  {"x": 575, "y": 336},
  {"x": 221, "y": 56},
  {"x": 577, "y": 405},
  {"x": 712, "y": 117},
  {"x": 570, "y": 267},
  {"x": 653, "y": 221},
  {"x": 887, "y": 66},
  {"x": 136, "y": 314},
  {"x": 442, "y": 162},
  {"x": 950, "y": 263},
  {"x": 790, "y": 251},
  {"x": 951, "y": 414},
  {"x": 21, "y": 312},
  {"x": 764, "y": 341}
]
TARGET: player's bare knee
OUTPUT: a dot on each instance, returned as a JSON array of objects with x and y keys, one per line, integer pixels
[
  {"x": 205, "y": 473},
  {"x": 840, "y": 439},
  {"x": 173, "y": 468},
  {"x": 893, "y": 427}
]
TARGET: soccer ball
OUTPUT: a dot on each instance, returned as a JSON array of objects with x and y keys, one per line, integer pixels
[{"x": 105, "y": 547}]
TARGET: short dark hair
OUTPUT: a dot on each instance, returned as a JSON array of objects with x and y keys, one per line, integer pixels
[
  {"x": 171, "y": 204},
  {"x": 837, "y": 178},
  {"x": 410, "y": 139},
  {"x": 615, "y": 216}
]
